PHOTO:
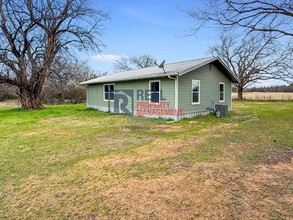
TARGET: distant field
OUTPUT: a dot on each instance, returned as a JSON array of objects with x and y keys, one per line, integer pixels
[
  {"x": 69, "y": 162},
  {"x": 266, "y": 95},
  {"x": 10, "y": 104}
]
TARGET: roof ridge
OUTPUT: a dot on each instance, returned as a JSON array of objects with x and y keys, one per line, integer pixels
[{"x": 185, "y": 61}]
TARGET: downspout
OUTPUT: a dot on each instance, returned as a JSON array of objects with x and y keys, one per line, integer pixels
[
  {"x": 176, "y": 89},
  {"x": 87, "y": 96}
]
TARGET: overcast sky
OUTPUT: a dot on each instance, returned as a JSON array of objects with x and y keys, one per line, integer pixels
[{"x": 155, "y": 27}]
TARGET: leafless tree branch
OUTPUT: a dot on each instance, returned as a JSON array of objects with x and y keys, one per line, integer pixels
[
  {"x": 134, "y": 62},
  {"x": 33, "y": 33},
  {"x": 254, "y": 59}
]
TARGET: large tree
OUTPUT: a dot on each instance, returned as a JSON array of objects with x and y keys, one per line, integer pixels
[
  {"x": 267, "y": 16},
  {"x": 251, "y": 59},
  {"x": 134, "y": 62},
  {"x": 34, "y": 32}
]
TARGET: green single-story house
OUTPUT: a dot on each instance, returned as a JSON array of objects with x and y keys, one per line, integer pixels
[{"x": 176, "y": 90}]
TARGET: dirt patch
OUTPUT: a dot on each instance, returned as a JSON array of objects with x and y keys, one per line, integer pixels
[
  {"x": 57, "y": 134},
  {"x": 276, "y": 156},
  {"x": 220, "y": 127},
  {"x": 30, "y": 134},
  {"x": 179, "y": 196},
  {"x": 158, "y": 148},
  {"x": 219, "y": 191},
  {"x": 121, "y": 141},
  {"x": 111, "y": 143}
]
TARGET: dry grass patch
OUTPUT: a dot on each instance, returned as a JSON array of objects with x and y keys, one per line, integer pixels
[
  {"x": 264, "y": 192},
  {"x": 183, "y": 195},
  {"x": 207, "y": 191},
  {"x": 220, "y": 127},
  {"x": 265, "y": 95},
  {"x": 10, "y": 104},
  {"x": 167, "y": 128},
  {"x": 155, "y": 149}
]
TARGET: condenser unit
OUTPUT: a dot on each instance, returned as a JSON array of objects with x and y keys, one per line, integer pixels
[{"x": 222, "y": 110}]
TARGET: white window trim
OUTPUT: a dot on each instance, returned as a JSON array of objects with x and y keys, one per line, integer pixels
[
  {"x": 150, "y": 81},
  {"x": 107, "y": 84},
  {"x": 195, "y": 103},
  {"x": 223, "y": 92}
]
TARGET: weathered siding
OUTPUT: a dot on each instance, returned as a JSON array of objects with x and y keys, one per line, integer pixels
[
  {"x": 209, "y": 89},
  {"x": 96, "y": 100}
]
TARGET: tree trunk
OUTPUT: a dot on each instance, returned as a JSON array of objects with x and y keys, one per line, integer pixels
[
  {"x": 30, "y": 100},
  {"x": 61, "y": 98},
  {"x": 240, "y": 93}
]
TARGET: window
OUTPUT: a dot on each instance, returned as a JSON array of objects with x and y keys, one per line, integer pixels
[
  {"x": 222, "y": 92},
  {"x": 109, "y": 92},
  {"x": 155, "y": 91},
  {"x": 195, "y": 92}
]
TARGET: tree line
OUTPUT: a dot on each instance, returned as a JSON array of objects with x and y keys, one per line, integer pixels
[
  {"x": 281, "y": 88},
  {"x": 65, "y": 75}
]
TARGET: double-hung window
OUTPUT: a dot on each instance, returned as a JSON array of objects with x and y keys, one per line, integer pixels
[
  {"x": 222, "y": 92},
  {"x": 154, "y": 87},
  {"x": 109, "y": 92},
  {"x": 195, "y": 92}
]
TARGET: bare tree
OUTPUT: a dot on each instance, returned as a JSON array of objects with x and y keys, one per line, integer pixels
[
  {"x": 134, "y": 62},
  {"x": 253, "y": 59},
  {"x": 269, "y": 16},
  {"x": 7, "y": 92},
  {"x": 65, "y": 76},
  {"x": 34, "y": 32}
]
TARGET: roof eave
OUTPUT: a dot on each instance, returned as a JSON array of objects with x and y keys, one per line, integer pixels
[
  {"x": 90, "y": 82},
  {"x": 234, "y": 78},
  {"x": 197, "y": 66}
]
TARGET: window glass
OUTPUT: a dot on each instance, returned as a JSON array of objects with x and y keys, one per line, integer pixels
[
  {"x": 221, "y": 96},
  {"x": 109, "y": 91},
  {"x": 155, "y": 97},
  {"x": 195, "y": 97},
  {"x": 221, "y": 87},
  {"x": 222, "y": 92},
  {"x": 155, "y": 91},
  {"x": 155, "y": 86},
  {"x": 195, "y": 91}
]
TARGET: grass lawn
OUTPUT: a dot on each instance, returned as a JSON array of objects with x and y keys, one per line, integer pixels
[{"x": 69, "y": 162}]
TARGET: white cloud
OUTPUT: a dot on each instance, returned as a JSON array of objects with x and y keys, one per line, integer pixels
[{"x": 107, "y": 58}]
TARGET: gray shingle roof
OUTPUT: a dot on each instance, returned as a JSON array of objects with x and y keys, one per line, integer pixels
[{"x": 171, "y": 69}]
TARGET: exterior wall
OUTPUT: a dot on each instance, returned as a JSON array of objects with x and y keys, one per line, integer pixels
[
  {"x": 95, "y": 96},
  {"x": 209, "y": 89},
  {"x": 209, "y": 92}
]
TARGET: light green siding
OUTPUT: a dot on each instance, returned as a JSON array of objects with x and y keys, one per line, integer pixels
[
  {"x": 209, "y": 89},
  {"x": 96, "y": 99}
]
